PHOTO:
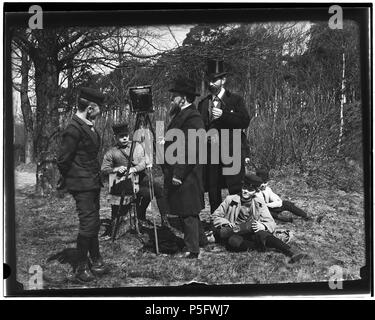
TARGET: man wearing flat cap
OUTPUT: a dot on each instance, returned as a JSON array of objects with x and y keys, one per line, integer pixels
[
  {"x": 183, "y": 181},
  {"x": 222, "y": 109},
  {"x": 116, "y": 161},
  {"x": 243, "y": 222},
  {"x": 79, "y": 166}
]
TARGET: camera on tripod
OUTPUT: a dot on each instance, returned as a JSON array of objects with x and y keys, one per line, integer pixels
[{"x": 141, "y": 99}]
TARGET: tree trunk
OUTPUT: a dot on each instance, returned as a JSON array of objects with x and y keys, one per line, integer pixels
[
  {"x": 47, "y": 124},
  {"x": 342, "y": 101},
  {"x": 26, "y": 108}
]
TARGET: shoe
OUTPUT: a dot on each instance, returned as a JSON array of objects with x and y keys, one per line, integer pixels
[
  {"x": 98, "y": 266},
  {"x": 83, "y": 273},
  {"x": 298, "y": 256}
]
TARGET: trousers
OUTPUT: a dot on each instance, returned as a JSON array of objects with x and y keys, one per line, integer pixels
[
  {"x": 194, "y": 236},
  {"x": 288, "y": 206},
  {"x": 88, "y": 205}
]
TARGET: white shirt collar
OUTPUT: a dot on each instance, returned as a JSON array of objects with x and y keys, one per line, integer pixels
[
  {"x": 184, "y": 107},
  {"x": 221, "y": 93},
  {"x": 85, "y": 120}
]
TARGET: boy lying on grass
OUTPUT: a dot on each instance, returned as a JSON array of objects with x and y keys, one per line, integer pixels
[
  {"x": 243, "y": 222},
  {"x": 274, "y": 203}
]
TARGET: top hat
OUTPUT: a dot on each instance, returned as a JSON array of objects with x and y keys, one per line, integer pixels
[
  {"x": 120, "y": 128},
  {"x": 215, "y": 69},
  {"x": 184, "y": 85},
  {"x": 91, "y": 95},
  {"x": 252, "y": 180},
  {"x": 263, "y": 174}
]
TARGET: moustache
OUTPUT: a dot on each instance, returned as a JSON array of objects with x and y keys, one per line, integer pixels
[
  {"x": 175, "y": 108},
  {"x": 214, "y": 89}
]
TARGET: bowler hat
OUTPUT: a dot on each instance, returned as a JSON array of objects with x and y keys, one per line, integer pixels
[
  {"x": 120, "y": 128},
  {"x": 91, "y": 95},
  {"x": 215, "y": 69},
  {"x": 263, "y": 174},
  {"x": 184, "y": 85},
  {"x": 252, "y": 180}
]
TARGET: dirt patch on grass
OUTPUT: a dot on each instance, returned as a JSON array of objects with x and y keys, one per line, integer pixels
[{"x": 335, "y": 236}]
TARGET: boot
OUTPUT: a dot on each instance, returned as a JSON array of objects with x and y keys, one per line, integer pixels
[
  {"x": 291, "y": 207},
  {"x": 83, "y": 272},
  {"x": 142, "y": 205},
  {"x": 98, "y": 266}
]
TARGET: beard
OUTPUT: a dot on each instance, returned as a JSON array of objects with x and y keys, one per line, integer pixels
[
  {"x": 214, "y": 89},
  {"x": 175, "y": 108}
]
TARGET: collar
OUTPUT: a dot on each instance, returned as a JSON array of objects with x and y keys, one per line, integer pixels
[
  {"x": 221, "y": 93},
  {"x": 121, "y": 147},
  {"x": 85, "y": 120},
  {"x": 184, "y": 107}
]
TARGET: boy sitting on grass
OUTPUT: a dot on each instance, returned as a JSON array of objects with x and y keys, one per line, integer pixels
[
  {"x": 274, "y": 203},
  {"x": 244, "y": 222}
]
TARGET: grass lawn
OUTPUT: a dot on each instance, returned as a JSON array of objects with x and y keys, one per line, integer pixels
[{"x": 335, "y": 236}]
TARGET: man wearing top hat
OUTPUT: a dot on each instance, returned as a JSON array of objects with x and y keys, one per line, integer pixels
[
  {"x": 79, "y": 166},
  {"x": 222, "y": 109},
  {"x": 183, "y": 181}
]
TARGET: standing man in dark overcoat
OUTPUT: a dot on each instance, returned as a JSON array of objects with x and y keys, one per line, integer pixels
[
  {"x": 183, "y": 181},
  {"x": 79, "y": 166},
  {"x": 222, "y": 109}
]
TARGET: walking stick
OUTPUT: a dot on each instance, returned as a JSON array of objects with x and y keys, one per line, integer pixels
[{"x": 152, "y": 194}]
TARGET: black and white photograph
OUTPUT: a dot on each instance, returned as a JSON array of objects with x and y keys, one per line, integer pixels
[{"x": 187, "y": 148}]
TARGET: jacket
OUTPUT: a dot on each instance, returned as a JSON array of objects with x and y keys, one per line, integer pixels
[
  {"x": 271, "y": 199},
  {"x": 229, "y": 210},
  {"x": 235, "y": 116},
  {"x": 186, "y": 199},
  {"x": 77, "y": 158}
]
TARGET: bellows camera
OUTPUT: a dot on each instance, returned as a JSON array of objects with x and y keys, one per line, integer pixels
[{"x": 141, "y": 99}]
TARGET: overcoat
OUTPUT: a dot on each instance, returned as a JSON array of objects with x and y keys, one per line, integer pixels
[
  {"x": 235, "y": 116},
  {"x": 78, "y": 160},
  {"x": 188, "y": 198}
]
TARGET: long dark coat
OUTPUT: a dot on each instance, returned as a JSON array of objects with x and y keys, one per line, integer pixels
[
  {"x": 235, "y": 116},
  {"x": 78, "y": 160},
  {"x": 188, "y": 198}
]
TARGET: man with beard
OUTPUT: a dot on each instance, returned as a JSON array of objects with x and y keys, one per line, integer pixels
[
  {"x": 116, "y": 161},
  {"x": 222, "y": 109},
  {"x": 80, "y": 170},
  {"x": 183, "y": 181},
  {"x": 243, "y": 222}
]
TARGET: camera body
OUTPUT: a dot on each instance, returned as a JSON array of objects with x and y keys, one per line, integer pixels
[{"x": 141, "y": 99}]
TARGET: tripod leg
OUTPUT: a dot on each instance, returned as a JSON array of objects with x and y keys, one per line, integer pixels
[
  {"x": 134, "y": 212},
  {"x": 115, "y": 227},
  {"x": 117, "y": 220}
]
